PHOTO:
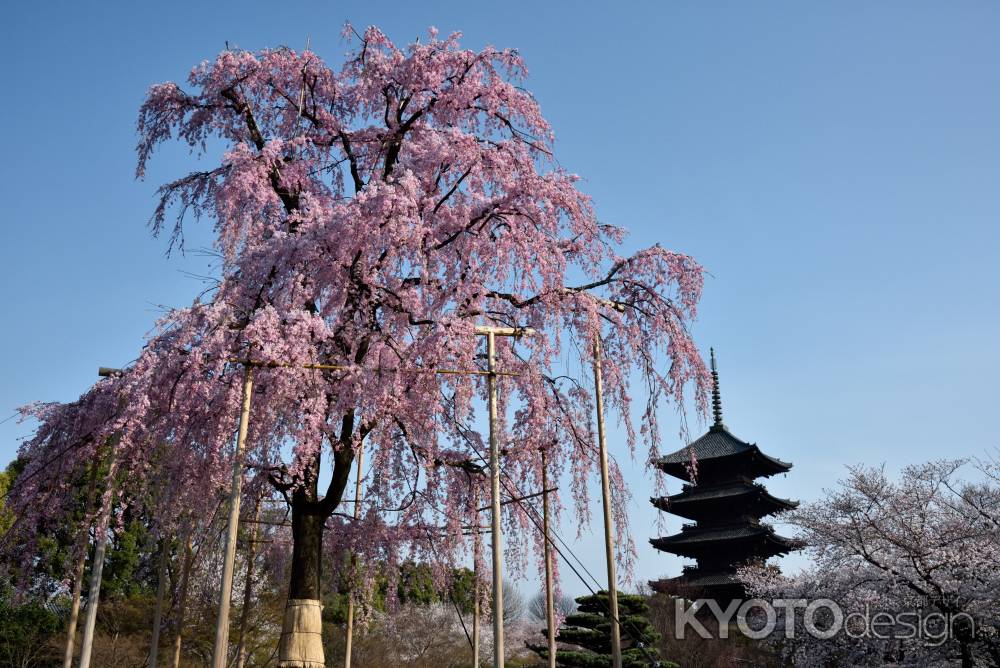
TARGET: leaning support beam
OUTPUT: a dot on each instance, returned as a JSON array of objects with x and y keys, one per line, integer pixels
[
  {"x": 221, "y": 645},
  {"x": 81, "y": 562},
  {"x": 97, "y": 567}
]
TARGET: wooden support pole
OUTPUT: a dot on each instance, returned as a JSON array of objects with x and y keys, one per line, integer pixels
[
  {"x": 550, "y": 612},
  {"x": 182, "y": 601},
  {"x": 241, "y": 650},
  {"x": 74, "y": 610},
  {"x": 491, "y": 355},
  {"x": 96, "y": 571},
  {"x": 161, "y": 587},
  {"x": 498, "y": 644},
  {"x": 609, "y": 548},
  {"x": 81, "y": 562},
  {"x": 101, "y": 546},
  {"x": 475, "y": 593},
  {"x": 350, "y": 597},
  {"x": 221, "y": 645}
]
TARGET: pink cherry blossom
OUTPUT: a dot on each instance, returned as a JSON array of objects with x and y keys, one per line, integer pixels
[{"x": 369, "y": 216}]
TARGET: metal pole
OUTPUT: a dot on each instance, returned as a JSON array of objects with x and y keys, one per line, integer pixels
[
  {"x": 498, "y": 648},
  {"x": 550, "y": 612},
  {"x": 616, "y": 642},
  {"x": 161, "y": 586},
  {"x": 350, "y": 597},
  {"x": 221, "y": 646}
]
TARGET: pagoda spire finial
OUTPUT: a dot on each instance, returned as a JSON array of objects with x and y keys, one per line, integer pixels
[{"x": 716, "y": 396}]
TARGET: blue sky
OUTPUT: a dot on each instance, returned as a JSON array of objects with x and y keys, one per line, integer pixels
[{"x": 834, "y": 167}]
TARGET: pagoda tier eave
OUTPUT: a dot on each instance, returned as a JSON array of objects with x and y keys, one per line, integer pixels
[
  {"x": 702, "y": 502},
  {"x": 721, "y": 586},
  {"x": 698, "y": 544},
  {"x": 753, "y": 462}
]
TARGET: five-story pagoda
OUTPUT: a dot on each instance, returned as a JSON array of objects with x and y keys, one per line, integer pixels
[{"x": 726, "y": 507}]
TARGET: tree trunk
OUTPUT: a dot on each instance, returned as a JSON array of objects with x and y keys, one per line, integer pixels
[{"x": 301, "y": 643}]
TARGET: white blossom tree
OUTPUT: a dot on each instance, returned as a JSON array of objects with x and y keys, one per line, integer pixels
[{"x": 912, "y": 564}]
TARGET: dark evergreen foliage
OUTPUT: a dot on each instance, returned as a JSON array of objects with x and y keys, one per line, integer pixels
[{"x": 585, "y": 637}]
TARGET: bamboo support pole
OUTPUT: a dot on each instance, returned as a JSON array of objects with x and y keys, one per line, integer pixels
[
  {"x": 350, "y": 598},
  {"x": 221, "y": 644},
  {"x": 161, "y": 586},
  {"x": 550, "y": 612},
  {"x": 81, "y": 563},
  {"x": 182, "y": 601},
  {"x": 616, "y": 643},
  {"x": 241, "y": 655}
]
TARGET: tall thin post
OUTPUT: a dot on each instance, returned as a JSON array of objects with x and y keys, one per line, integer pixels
[
  {"x": 221, "y": 646},
  {"x": 182, "y": 600},
  {"x": 241, "y": 650},
  {"x": 350, "y": 599},
  {"x": 491, "y": 349},
  {"x": 498, "y": 648},
  {"x": 101, "y": 530},
  {"x": 475, "y": 588},
  {"x": 161, "y": 586},
  {"x": 616, "y": 642},
  {"x": 550, "y": 612},
  {"x": 97, "y": 567},
  {"x": 74, "y": 610},
  {"x": 81, "y": 562}
]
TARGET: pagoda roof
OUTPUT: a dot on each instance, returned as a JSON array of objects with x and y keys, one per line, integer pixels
[
  {"x": 710, "y": 579},
  {"x": 716, "y": 445},
  {"x": 696, "y": 535},
  {"x": 694, "y": 584},
  {"x": 729, "y": 491},
  {"x": 693, "y": 540},
  {"x": 696, "y": 499}
]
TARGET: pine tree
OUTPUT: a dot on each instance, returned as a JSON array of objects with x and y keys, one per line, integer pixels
[{"x": 588, "y": 631}]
